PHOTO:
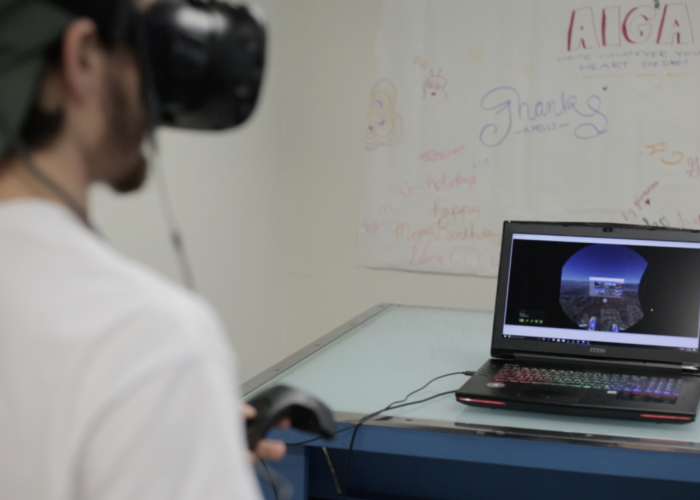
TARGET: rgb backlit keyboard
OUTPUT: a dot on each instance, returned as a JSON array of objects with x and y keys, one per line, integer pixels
[{"x": 632, "y": 387}]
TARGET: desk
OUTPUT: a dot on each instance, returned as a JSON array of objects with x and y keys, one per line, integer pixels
[{"x": 442, "y": 449}]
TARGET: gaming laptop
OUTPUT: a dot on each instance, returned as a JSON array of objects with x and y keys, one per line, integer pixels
[{"x": 595, "y": 320}]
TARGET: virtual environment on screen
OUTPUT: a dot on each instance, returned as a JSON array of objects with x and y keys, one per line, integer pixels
[{"x": 600, "y": 287}]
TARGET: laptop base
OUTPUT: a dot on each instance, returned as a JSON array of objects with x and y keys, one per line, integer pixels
[
  {"x": 576, "y": 411},
  {"x": 547, "y": 393}
]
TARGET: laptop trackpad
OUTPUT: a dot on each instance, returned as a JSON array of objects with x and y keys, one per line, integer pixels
[{"x": 563, "y": 394}]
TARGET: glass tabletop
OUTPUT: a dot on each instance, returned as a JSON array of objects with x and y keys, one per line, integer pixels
[{"x": 391, "y": 350}]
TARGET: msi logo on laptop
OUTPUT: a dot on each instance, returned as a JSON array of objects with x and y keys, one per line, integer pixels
[{"x": 597, "y": 349}]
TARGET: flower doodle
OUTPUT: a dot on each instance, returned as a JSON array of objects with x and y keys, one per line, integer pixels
[{"x": 385, "y": 124}]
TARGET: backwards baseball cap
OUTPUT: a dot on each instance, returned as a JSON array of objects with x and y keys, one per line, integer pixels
[{"x": 27, "y": 28}]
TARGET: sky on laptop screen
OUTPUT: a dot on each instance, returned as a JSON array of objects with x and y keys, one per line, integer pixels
[
  {"x": 600, "y": 287},
  {"x": 601, "y": 290}
]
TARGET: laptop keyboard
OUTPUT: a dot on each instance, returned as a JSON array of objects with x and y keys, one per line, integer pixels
[{"x": 626, "y": 387}]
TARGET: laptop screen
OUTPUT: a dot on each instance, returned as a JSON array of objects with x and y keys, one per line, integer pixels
[{"x": 601, "y": 290}]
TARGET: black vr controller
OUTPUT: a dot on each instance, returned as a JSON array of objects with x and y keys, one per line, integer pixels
[{"x": 305, "y": 412}]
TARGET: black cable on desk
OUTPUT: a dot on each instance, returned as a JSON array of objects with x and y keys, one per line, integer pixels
[
  {"x": 347, "y": 461},
  {"x": 280, "y": 486},
  {"x": 271, "y": 481},
  {"x": 469, "y": 374},
  {"x": 392, "y": 406}
]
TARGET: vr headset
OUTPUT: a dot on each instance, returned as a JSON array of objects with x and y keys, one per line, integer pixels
[{"x": 201, "y": 60}]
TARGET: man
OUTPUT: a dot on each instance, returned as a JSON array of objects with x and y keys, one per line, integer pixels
[{"x": 114, "y": 383}]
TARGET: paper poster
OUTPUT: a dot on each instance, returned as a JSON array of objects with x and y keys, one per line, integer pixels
[{"x": 482, "y": 112}]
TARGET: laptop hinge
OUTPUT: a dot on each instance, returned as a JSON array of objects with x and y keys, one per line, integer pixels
[{"x": 603, "y": 362}]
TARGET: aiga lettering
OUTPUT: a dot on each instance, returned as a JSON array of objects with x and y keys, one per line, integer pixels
[
  {"x": 582, "y": 32},
  {"x": 638, "y": 26},
  {"x": 675, "y": 25},
  {"x": 611, "y": 26}
]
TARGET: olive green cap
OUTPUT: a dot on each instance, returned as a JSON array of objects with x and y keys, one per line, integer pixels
[{"x": 27, "y": 28}]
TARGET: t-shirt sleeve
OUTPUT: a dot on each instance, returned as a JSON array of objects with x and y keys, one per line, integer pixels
[
  {"x": 175, "y": 431},
  {"x": 176, "y": 435}
]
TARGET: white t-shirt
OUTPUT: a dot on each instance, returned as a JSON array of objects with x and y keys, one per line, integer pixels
[{"x": 114, "y": 383}]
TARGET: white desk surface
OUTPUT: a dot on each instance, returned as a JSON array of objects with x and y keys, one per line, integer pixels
[{"x": 401, "y": 348}]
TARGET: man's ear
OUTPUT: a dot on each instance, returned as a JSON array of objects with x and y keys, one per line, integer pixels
[{"x": 83, "y": 61}]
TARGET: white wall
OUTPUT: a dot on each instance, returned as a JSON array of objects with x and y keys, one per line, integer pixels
[
  {"x": 329, "y": 73},
  {"x": 270, "y": 212}
]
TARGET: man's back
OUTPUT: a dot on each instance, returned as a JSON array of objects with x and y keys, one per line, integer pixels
[{"x": 114, "y": 384}]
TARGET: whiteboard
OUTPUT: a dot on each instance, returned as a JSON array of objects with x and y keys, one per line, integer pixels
[{"x": 482, "y": 112}]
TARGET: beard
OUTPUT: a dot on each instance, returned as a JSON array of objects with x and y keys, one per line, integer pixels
[
  {"x": 133, "y": 179},
  {"x": 119, "y": 160}
]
